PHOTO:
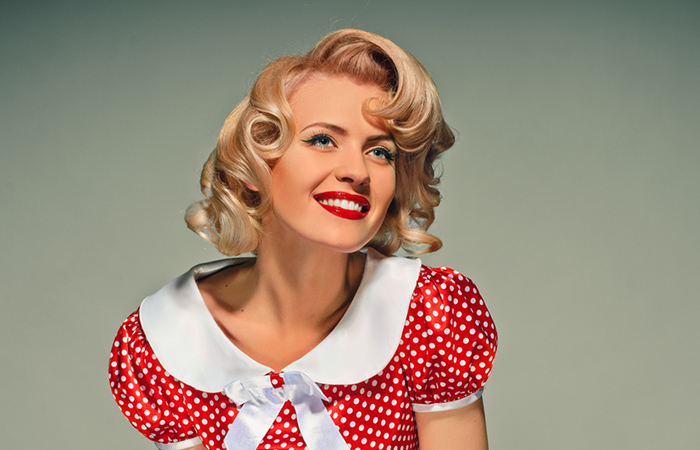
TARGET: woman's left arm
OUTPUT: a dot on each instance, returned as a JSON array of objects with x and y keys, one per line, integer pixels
[{"x": 456, "y": 429}]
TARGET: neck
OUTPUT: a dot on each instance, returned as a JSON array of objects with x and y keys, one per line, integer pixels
[{"x": 307, "y": 285}]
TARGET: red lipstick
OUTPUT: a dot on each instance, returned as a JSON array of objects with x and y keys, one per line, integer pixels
[{"x": 343, "y": 204}]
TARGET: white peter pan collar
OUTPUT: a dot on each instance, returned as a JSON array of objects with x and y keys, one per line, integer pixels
[{"x": 191, "y": 346}]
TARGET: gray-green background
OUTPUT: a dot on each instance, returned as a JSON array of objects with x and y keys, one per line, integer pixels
[{"x": 572, "y": 196}]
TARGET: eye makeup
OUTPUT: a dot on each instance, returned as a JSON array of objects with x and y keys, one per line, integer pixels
[
  {"x": 321, "y": 140},
  {"x": 384, "y": 153}
]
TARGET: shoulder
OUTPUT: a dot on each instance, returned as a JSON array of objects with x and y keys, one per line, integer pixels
[
  {"x": 131, "y": 358},
  {"x": 443, "y": 278},
  {"x": 130, "y": 342},
  {"x": 444, "y": 298},
  {"x": 450, "y": 291},
  {"x": 131, "y": 327}
]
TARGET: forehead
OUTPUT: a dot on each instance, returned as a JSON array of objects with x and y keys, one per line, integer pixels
[{"x": 334, "y": 99}]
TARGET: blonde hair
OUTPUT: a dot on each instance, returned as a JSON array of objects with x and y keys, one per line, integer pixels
[{"x": 236, "y": 176}]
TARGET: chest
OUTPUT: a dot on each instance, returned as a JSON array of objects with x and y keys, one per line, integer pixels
[
  {"x": 273, "y": 346},
  {"x": 256, "y": 332}
]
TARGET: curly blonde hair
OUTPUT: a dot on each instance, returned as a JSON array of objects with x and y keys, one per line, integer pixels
[{"x": 236, "y": 176}]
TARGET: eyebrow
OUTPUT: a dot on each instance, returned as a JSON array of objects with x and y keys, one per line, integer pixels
[
  {"x": 343, "y": 132},
  {"x": 381, "y": 137},
  {"x": 334, "y": 128}
]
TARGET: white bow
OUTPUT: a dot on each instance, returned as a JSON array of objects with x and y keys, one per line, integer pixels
[{"x": 259, "y": 404}]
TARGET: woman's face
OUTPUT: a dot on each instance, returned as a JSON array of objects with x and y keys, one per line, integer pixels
[{"x": 334, "y": 183}]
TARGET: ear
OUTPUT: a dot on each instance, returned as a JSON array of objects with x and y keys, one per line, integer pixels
[{"x": 250, "y": 186}]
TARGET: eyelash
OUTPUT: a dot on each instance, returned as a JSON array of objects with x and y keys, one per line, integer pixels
[
  {"x": 385, "y": 153},
  {"x": 316, "y": 139}
]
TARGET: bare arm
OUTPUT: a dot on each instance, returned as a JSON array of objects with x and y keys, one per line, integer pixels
[{"x": 456, "y": 429}]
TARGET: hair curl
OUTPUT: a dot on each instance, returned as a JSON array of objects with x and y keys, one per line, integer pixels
[{"x": 236, "y": 176}]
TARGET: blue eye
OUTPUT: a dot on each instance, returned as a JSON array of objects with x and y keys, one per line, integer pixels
[
  {"x": 319, "y": 140},
  {"x": 383, "y": 153}
]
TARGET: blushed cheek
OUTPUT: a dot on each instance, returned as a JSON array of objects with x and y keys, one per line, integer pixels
[
  {"x": 282, "y": 177},
  {"x": 391, "y": 186}
]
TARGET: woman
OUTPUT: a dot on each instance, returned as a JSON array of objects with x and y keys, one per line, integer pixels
[{"x": 312, "y": 343}]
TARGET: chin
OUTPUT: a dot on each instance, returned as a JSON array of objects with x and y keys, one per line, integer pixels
[
  {"x": 345, "y": 243},
  {"x": 347, "y": 247}
]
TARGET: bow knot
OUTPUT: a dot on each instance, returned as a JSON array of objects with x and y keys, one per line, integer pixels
[{"x": 259, "y": 402}]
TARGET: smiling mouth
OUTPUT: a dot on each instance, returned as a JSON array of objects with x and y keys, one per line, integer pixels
[{"x": 343, "y": 204}]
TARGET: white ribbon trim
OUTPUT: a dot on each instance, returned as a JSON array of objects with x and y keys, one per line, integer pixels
[
  {"x": 179, "y": 445},
  {"x": 462, "y": 402},
  {"x": 259, "y": 404}
]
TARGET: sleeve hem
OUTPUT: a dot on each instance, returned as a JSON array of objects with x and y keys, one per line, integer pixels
[
  {"x": 179, "y": 445},
  {"x": 419, "y": 407}
]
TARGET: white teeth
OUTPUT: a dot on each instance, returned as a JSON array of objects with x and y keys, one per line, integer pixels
[{"x": 344, "y": 204}]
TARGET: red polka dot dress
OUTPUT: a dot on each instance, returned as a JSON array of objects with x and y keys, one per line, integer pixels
[{"x": 414, "y": 339}]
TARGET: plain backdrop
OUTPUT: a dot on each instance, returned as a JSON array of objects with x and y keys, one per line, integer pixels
[{"x": 572, "y": 196}]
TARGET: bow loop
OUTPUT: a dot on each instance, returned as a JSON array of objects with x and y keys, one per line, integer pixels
[
  {"x": 259, "y": 404},
  {"x": 253, "y": 390}
]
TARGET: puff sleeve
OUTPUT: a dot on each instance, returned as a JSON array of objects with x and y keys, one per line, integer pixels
[
  {"x": 148, "y": 396},
  {"x": 451, "y": 343}
]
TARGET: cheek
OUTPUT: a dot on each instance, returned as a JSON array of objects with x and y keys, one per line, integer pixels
[
  {"x": 387, "y": 187},
  {"x": 285, "y": 174},
  {"x": 298, "y": 165}
]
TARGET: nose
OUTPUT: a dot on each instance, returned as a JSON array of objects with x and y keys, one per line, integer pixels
[{"x": 352, "y": 169}]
